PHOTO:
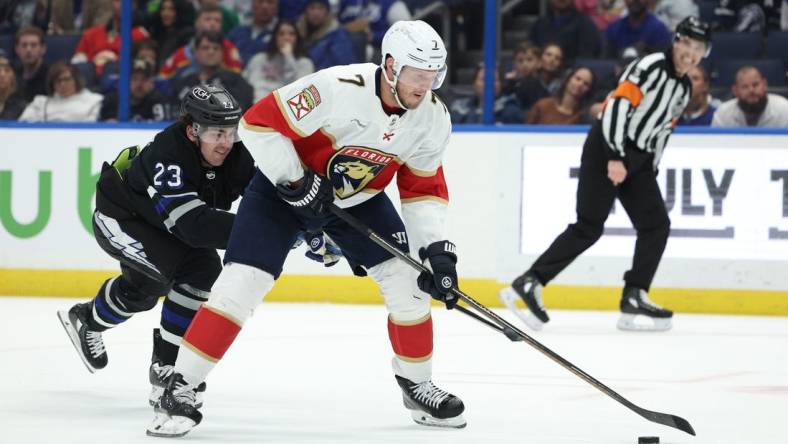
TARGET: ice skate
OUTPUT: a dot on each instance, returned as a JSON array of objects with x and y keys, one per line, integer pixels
[
  {"x": 159, "y": 373},
  {"x": 175, "y": 412},
  {"x": 638, "y": 313},
  {"x": 431, "y": 406},
  {"x": 88, "y": 343},
  {"x": 527, "y": 289}
]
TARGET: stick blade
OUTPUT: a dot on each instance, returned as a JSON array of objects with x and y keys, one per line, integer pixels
[{"x": 674, "y": 421}]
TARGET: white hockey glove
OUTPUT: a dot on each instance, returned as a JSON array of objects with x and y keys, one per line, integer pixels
[{"x": 320, "y": 248}]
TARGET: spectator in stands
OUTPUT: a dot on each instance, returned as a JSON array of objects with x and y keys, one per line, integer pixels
[
  {"x": 18, "y": 14},
  {"x": 506, "y": 109},
  {"x": 146, "y": 49},
  {"x": 372, "y": 17},
  {"x": 208, "y": 54},
  {"x": 575, "y": 32},
  {"x": 671, "y": 12},
  {"x": 702, "y": 105},
  {"x": 229, "y": 17},
  {"x": 67, "y": 101},
  {"x": 146, "y": 103},
  {"x": 31, "y": 70},
  {"x": 241, "y": 8},
  {"x": 253, "y": 39},
  {"x": 327, "y": 43},
  {"x": 182, "y": 63},
  {"x": 569, "y": 106},
  {"x": 638, "y": 28},
  {"x": 747, "y": 15},
  {"x": 12, "y": 102},
  {"x": 752, "y": 105},
  {"x": 601, "y": 12},
  {"x": 73, "y": 16},
  {"x": 547, "y": 80},
  {"x": 171, "y": 26},
  {"x": 526, "y": 61},
  {"x": 101, "y": 44},
  {"x": 283, "y": 62}
]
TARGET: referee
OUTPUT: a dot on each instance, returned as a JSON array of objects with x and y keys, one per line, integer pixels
[{"x": 620, "y": 157}]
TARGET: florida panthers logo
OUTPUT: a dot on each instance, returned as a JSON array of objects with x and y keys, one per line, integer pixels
[{"x": 353, "y": 167}]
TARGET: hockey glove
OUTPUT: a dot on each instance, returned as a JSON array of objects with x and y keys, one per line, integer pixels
[
  {"x": 312, "y": 199},
  {"x": 443, "y": 261},
  {"x": 322, "y": 249}
]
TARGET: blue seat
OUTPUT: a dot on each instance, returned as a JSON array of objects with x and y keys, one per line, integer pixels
[
  {"x": 88, "y": 72},
  {"x": 602, "y": 69},
  {"x": 777, "y": 45},
  {"x": 735, "y": 45},
  {"x": 7, "y": 45},
  {"x": 61, "y": 47},
  {"x": 771, "y": 69},
  {"x": 706, "y": 10}
]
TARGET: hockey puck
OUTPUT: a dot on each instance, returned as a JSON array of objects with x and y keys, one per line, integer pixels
[{"x": 648, "y": 440}]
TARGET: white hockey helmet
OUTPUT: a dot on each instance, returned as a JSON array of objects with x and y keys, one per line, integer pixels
[{"x": 414, "y": 43}]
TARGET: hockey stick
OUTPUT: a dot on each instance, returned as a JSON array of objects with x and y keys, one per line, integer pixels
[{"x": 513, "y": 333}]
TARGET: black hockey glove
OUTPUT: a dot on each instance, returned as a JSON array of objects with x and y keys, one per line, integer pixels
[
  {"x": 312, "y": 199},
  {"x": 443, "y": 261}
]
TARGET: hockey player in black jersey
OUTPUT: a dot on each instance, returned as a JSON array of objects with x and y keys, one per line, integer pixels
[{"x": 161, "y": 211}]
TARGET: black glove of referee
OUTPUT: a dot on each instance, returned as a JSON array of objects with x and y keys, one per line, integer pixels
[
  {"x": 312, "y": 198},
  {"x": 443, "y": 261}
]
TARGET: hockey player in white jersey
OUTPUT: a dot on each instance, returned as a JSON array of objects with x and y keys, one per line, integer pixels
[{"x": 340, "y": 136}]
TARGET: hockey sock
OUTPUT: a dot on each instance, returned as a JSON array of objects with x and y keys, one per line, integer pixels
[
  {"x": 107, "y": 310},
  {"x": 177, "y": 312},
  {"x": 207, "y": 339},
  {"x": 412, "y": 345}
]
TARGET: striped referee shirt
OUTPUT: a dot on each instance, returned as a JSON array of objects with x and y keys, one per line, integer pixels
[{"x": 645, "y": 106}]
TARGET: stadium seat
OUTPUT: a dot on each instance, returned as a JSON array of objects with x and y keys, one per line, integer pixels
[
  {"x": 511, "y": 39},
  {"x": 88, "y": 72},
  {"x": 7, "y": 45},
  {"x": 61, "y": 47},
  {"x": 735, "y": 45},
  {"x": 772, "y": 69},
  {"x": 777, "y": 45}
]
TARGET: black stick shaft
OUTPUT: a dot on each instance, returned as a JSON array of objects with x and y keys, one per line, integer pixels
[{"x": 508, "y": 329}]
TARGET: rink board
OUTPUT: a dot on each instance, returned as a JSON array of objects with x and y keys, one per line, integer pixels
[{"x": 511, "y": 191}]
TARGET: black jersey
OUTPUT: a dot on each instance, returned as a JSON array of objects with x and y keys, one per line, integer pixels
[{"x": 167, "y": 185}]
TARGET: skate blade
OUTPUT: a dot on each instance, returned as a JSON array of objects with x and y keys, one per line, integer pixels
[
  {"x": 165, "y": 426},
  {"x": 509, "y": 298},
  {"x": 426, "y": 419},
  {"x": 630, "y": 322},
  {"x": 73, "y": 334}
]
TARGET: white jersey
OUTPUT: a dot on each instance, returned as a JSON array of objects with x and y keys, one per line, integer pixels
[{"x": 333, "y": 123}]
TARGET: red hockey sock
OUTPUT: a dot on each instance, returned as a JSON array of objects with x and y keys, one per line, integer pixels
[
  {"x": 412, "y": 341},
  {"x": 211, "y": 333}
]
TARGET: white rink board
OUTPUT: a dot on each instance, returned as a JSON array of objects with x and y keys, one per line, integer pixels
[{"x": 498, "y": 235}]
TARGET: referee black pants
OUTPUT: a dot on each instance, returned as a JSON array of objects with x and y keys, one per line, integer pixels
[{"x": 641, "y": 198}]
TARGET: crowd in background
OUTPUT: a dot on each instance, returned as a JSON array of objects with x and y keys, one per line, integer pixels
[{"x": 253, "y": 47}]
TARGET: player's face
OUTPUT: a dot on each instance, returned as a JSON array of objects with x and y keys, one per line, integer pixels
[
  {"x": 687, "y": 53},
  {"x": 216, "y": 143},
  {"x": 413, "y": 84}
]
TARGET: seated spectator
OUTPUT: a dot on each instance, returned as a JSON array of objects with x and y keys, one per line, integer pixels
[
  {"x": 574, "y": 32},
  {"x": 638, "y": 28},
  {"x": 570, "y": 104},
  {"x": 253, "y": 39},
  {"x": 327, "y": 43},
  {"x": 701, "y": 107},
  {"x": 171, "y": 27},
  {"x": 75, "y": 16},
  {"x": 230, "y": 19},
  {"x": 547, "y": 80},
  {"x": 146, "y": 49},
  {"x": 68, "y": 100},
  {"x": 506, "y": 109},
  {"x": 372, "y": 17},
  {"x": 101, "y": 44},
  {"x": 747, "y": 15},
  {"x": 12, "y": 103},
  {"x": 283, "y": 62},
  {"x": 752, "y": 105},
  {"x": 208, "y": 54},
  {"x": 31, "y": 70},
  {"x": 146, "y": 103},
  {"x": 182, "y": 63},
  {"x": 601, "y": 12},
  {"x": 671, "y": 12},
  {"x": 527, "y": 59},
  {"x": 18, "y": 14}
]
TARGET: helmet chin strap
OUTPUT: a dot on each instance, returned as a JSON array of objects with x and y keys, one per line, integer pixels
[{"x": 393, "y": 88}]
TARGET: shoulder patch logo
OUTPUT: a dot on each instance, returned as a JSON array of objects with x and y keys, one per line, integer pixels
[{"x": 304, "y": 102}]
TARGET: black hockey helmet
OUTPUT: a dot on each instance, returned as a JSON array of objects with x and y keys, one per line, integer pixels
[
  {"x": 211, "y": 106},
  {"x": 695, "y": 29}
]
